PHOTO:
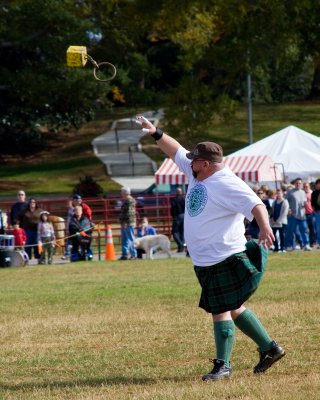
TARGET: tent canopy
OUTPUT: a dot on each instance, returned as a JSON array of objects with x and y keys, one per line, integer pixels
[
  {"x": 169, "y": 173},
  {"x": 254, "y": 168},
  {"x": 297, "y": 150},
  {"x": 249, "y": 169}
]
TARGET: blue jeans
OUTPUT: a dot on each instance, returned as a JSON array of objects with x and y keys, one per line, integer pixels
[
  {"x": 317, "y": 222},
  {"x": 293, "y": 223},
  {"x": 127, "y": 241},
  {"x": 32, "y": 239},
  {"x": 311, "y": 224}
]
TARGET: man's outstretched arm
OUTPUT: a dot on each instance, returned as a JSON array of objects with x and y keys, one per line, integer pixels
[{"x": 166, "y": 143}]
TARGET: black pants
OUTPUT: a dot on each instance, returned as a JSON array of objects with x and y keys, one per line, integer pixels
[
  {"x": 281, "y": 237},
  {"x": 178, "y": 231}
]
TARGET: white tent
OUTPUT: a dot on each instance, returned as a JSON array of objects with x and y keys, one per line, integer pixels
[{"x": 298, "y": 151}]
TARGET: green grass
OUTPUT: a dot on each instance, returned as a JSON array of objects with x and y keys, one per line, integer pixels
[
  {"x": 58, "y": 170},
  {"x": 132, "y": 330}
]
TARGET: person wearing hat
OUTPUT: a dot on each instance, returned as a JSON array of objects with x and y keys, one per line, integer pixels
[
  {"x": 228, "y": 267},
  {"x": 86, "y": 210},
  {"x": 81, "y": 236},
  {"x": 46, "y": 238}
]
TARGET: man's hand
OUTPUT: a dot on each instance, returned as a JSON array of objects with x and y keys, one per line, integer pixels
[
  {"x": 266, "y": 237},
  {"x": 146, "y": 125}
]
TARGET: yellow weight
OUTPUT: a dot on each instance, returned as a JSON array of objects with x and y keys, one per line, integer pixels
[{"x": 76, "y": 56}]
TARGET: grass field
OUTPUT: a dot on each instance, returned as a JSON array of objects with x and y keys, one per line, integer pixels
[{"x": 132, "y": 330}]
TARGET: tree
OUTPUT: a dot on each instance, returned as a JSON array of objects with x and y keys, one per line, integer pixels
[{"x": 36, "y": 87}]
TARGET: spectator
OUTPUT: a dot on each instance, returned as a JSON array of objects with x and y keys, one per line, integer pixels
[
  {"x": 177, "y": 213},
  {"x": 2, "y": 222},
  {"x": 79, "y": 228},
  {"x": 29, "y": 220},
  {"x": 297, "y": 200},
  {"x": 70, "y": 212},
  {"x": 144, "y": 230},
  {"x": 77, "y": 201},
  {"x": 315, "y": 202},
  {"x": 309, "y": 214},
  {"x": 128, "y": 223},
  {"x": 264, "y": 188},
  {"x": 253, "y": 225},
  {"x": 46, "y": 238},
  {"x": 19, "y": 236},
  {"x": 271, "y": 196},
  {"x": 19, "y": 207},
  {"x": 255, "y": 188},
  {"x": 279, "y": 219}
]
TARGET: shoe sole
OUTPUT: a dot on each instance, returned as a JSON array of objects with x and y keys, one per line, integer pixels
[
  {"x": 272, "y": 361},
  {"x": 216, "y": 378}
]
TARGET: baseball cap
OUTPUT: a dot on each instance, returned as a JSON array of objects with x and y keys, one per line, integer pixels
[
  {"x": 209, "y": 151},
  {"x": 76, "y": 197}
]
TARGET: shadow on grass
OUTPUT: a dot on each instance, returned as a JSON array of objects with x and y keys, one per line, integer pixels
[{"x": 90, "y": 382}]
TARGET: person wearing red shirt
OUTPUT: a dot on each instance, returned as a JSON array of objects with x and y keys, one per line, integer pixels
[
  {"x": 309, "y": 214},
  {"x": 86, "y": 210},
  {"x": 19, "y": 236}
]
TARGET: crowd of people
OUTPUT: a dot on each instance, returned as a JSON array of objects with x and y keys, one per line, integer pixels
[
  {"x": 294, "y": 216},
  {"x": 294, "y": 212},
  {"x": 34, "y": 233}
]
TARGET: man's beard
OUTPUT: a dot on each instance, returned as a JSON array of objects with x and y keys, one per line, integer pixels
[{"x": 194, "y": 173}]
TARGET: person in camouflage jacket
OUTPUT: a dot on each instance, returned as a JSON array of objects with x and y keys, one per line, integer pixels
[{"x": 128, "y": 223}]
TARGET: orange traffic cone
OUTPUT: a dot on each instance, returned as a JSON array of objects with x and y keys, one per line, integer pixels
[{"x": 110, "y": 252}]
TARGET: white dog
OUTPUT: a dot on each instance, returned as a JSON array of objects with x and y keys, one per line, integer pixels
[{"x": 150, "y": 242}]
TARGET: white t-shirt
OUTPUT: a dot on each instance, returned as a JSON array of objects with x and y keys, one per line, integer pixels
[{"x": 214, "y": 214}]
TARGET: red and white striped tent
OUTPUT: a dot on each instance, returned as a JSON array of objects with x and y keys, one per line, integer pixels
[
  {"x": 253, "y": 168},
  {"x": 248, "y": 168},
  {"x": 169, "y": 172}
]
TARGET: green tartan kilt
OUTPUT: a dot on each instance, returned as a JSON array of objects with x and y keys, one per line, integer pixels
[{"x": 228, "y": 284}]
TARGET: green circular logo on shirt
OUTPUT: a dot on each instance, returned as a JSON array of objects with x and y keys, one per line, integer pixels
[{"x": 196, "y": 200}]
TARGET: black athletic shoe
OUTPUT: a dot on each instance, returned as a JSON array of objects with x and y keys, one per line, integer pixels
[
  {"x": 220, "y": 371},
  {"x": 123, "y": 258},
  {"x": 269, "y": 357}
]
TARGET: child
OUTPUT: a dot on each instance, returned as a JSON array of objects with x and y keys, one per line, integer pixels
[
  {"x": 19, "y": 236},
  {"x": 46, "y": 237},
  {"x": 144, "y": 230}
]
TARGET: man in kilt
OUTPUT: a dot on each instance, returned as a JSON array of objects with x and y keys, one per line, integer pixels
[{"x": 228, "y": 267}]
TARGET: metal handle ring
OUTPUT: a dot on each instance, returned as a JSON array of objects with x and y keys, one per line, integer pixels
[{"x": 111, "y": 66}]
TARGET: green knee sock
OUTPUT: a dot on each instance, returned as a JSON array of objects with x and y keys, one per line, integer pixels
[
  {"x": 249, "y": 324},
  {"x": 224, "y": 339}
]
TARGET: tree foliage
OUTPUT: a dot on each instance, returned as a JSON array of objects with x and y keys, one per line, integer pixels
[
  {"x": 192, "y": 55},
  {"x": 37, "y": 89}
]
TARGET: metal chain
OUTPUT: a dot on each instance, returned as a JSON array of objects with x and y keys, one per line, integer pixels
[{"x": 92, "y": 61}]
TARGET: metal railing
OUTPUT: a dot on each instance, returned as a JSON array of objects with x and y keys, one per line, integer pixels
[{"x": 105, "y": 211}]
